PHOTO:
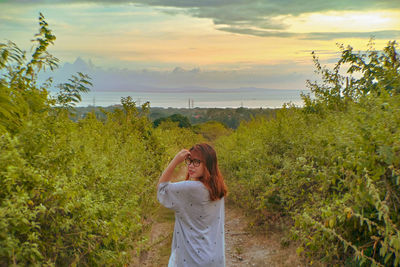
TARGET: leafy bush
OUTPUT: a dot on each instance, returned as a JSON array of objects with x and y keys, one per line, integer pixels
[
  {"x": 211, "y": 130},
  {"x": 332, "y": 167},
  {"x": 73, "y": 193},
  {"x": 183, "y": 121}
]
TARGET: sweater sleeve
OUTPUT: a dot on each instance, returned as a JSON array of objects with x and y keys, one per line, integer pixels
[{"x": 169, "y": 195}]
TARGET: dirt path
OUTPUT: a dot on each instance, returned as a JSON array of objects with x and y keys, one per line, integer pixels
[
  {"x": 245, "y": 247},
  {"x": 242, "y": 246}
]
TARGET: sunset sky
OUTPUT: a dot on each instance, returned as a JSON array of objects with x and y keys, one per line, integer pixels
[{"x": 193, "y": 43}]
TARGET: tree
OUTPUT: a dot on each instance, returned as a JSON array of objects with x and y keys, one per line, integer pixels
[
  {"x": 373, "y": 72},
  {"x": 183, "y": 122},
  {"x": 20, "y": 95},
  {"x": 212, "y": 130}
]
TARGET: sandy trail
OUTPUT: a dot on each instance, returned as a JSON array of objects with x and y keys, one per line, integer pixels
[{"x": 243, "y": 247}]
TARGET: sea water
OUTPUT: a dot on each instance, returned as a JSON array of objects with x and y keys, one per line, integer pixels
[{"x": 270, "y": 98}]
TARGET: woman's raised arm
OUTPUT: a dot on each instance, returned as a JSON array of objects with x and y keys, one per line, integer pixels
[{"x": 166, "y": 176}]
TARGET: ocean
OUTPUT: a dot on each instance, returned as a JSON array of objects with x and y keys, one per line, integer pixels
[{"x": 268, "y": 98}]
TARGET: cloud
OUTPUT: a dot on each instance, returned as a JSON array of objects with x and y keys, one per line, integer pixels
[
  {"x": 335, "y": 35},
  {"x": 389, "y": 34},
  {"x": 260, "y": 17},
  {"x": 287, "y": 75},
  {"x": 258, "y": 32}
]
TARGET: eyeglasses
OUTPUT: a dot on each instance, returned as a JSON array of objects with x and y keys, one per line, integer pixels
[{"x": 195, "y": 162}]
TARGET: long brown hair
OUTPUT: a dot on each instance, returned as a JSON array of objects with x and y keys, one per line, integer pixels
[{"x": 212, "y": 178}]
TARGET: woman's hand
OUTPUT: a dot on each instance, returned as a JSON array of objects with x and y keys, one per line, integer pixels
[
  {"x": 181, "y": 156},
  {"x": 166, "y": 176}
]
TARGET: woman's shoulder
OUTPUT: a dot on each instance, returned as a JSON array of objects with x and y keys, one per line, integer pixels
[
  {"x": 189, "y": 185},
  {"x": 184, "y": 186}
]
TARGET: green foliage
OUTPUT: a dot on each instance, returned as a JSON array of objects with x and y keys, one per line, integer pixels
[
  {"x": 73, "y": 193},
  {"x": 372, "y": 72},
  {"x": 212, "y": 130},
  {"x": 331, "y": 168},
  {"x": 88, "y": 187},
  {"x": 83, "y": 192},
  {"x": 70, "y": 93},
  {"x": 230, "y": 117},
  {"x": 182, "y": 121},
  {"x": 20, "y": 95},
  {"x": 172, "y": 138}
]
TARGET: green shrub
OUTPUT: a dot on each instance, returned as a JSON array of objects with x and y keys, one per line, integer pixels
[
  {"x": 74, "y": 193},
  {"x": 331, "y": 167}
]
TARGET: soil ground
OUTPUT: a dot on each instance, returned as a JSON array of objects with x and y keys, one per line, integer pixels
[{"x": 243, "y": 246}]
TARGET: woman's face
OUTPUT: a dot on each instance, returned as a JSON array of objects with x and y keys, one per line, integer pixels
[{"x": 195, "y": 172}]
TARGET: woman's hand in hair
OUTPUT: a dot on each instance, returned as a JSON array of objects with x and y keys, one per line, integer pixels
[
  {"x": 181, "y": 156},
  {"x": 166, "y": 176}
]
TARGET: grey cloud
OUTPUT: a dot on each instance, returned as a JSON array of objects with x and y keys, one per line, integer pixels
[
  {"x": 238, "y": 16},
  {"x": 394, "y": 34},
  {"x": 279, "y": 76},
  {"x": 260, "y": 13},
  {"x": 258, "y": 32},
  {"x": 263, "y": 7},
  {"x": 166, "y": 3},
  {"x": 179, "y": 70},
  {"x": 333, "y": 35},
  {"x": 258, "y": 17}
]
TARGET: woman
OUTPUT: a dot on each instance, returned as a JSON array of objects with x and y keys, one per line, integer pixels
[{"x": 198, "y": 203}]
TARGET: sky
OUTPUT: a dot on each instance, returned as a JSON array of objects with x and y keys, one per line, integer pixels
[{"x": 198, "y": 45}]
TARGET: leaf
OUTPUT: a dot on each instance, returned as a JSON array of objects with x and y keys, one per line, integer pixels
[
  {"x": 387, "y": 257},
  {"x": 299, "y": 250}
]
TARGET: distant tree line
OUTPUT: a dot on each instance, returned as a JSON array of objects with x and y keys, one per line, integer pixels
[{"x": 230, "y": 117}]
